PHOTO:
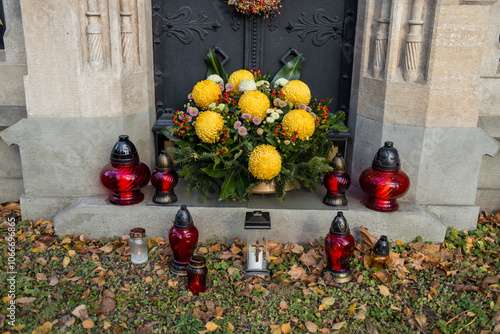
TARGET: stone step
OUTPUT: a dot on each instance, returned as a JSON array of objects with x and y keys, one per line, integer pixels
[{"x": 302, "y": 217}]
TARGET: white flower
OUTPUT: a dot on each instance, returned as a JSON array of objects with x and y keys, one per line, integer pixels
[
  {"x": 269, "y": 111},
  {"x": 279, "y": 111},
  {"x": 275, "y": 115},
  {"x": 212, "y": 106},
  {"x": 215, "y": 78},
  {"x": 221, "y": 107},
  {"x": 269, "y": 120},
  {"x": 246, "y": 85},
  {"x": 281, "y": 82}
]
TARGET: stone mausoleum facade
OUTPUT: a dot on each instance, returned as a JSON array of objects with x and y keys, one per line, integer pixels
[{"x": 76, "y": 74}]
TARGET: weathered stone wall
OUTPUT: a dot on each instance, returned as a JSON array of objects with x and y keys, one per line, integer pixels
[
  {"x": 12, "y": 99},
  {"x": 488, "y": 194}
]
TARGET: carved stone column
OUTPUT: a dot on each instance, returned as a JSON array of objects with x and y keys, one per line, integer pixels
[
  {"x": 414, "y": 40},
  {"x": 127, "y": 34},
  {"x": 94, "y": 35},
  {"x": 381, "y": 39}
]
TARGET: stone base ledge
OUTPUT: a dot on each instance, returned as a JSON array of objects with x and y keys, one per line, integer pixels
[
  {"x": 302, "y": 217},
  {"x": 460, "y": 217}
]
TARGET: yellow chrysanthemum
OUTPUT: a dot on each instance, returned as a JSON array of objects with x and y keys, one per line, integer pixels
[
  {"x": 297, "y": 92},
  {"x": 299, "y": 123},
  {"x": 254, "y": 103},
  {"x": 237, "y": 76},
  {"x": 264, "y": 162},
  {"x": 208, "y": 125},
  {"x": 205, "y": 92}
]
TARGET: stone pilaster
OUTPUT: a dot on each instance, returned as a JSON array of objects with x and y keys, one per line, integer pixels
[
  {"x": 428, "y": 103},
  {"x": 80, "y": 97}
]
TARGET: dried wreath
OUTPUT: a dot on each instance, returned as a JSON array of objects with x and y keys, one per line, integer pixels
[{"x": 256, "y": 7}]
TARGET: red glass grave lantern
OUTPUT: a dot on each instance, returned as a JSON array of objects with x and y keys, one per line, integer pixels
[
  {"x": 183, "y": 237},
  {"x": 197, "y": 275},
  {"x": 125, "y": 175},
  {"x": 339, "y": 246},
  {"x": 336, "y": 182},
  {"x": 384, "y": 181},
  {"x": 164, "y": 179}
]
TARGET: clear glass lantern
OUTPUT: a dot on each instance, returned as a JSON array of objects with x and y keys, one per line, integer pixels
[
  {"x": 257, "y": 224},
  {"x": 138, "y": 243}
]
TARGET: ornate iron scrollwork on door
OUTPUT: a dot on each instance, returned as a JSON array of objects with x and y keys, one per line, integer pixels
[
  {"x": 322, "y": 27},
  {"x": 183, "y": 26}
]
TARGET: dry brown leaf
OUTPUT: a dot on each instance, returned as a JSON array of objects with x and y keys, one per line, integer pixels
[
  {"x": 275, "y": 329},
  {"x": 311, "y": 327},
  {"x": 88, "y": 324},
  {"x": 231, "y": 271},
  {"x": 45, "y": 328},
  {"x": 107, "y": 324},
  {"x": 236, "y": 250},
  {"x": 70, "y": 322},
  {"x": 230, "y": 327},
  {"x": 216, "y": 248},
  {"x": 284, "y": 305},
  {"x": 66, "y": 261},
  {"x": 285, "y": 328},
  {"x": 421, "y": 319},
  {"x": 81, "y": 312},
  {"x": 71, "y": 253},
  {"x": 40, "y": 277},
  {"x": 308, "y": 258},
  {"x": 25, "y": 300},
  {"x": 368, "y": 240},
  {"x": 384, "y": 291},
  {"x": 107, "y": 303},
  {"x": 383, "y": 276},
  {"x": 211, "y": 326},
  {"x": 370, "y": 327},
  {"x": 338, "y": 325},
  {"x": 296, "y": 272}
]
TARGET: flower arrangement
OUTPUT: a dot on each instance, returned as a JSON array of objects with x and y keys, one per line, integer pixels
[
  {"x": 255, "y": 7},
  {"x": 243, "y": 129}
]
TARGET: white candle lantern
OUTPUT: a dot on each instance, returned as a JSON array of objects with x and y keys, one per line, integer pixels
[
  {"x": 257, "y": 224},
  {"x": 138, "y": 243}
]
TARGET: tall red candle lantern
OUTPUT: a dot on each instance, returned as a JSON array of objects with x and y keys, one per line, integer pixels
[
  {"x": 339, "y": 247},
  {"x": 125, "y": 175},
  {"x": 183, "y": 237},
  {"x": 336, "y": 183},
  {"x": 384, "y": 181},
  {"x": 164, "y": 179}
]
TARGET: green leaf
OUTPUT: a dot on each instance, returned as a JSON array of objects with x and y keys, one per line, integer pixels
[
  {"x": 217, "y": 173},
  {"x": 166, "y": 132},
  {"x": 271, "y": 140},
  {"x": 215, "y": 66},
  {"x": 289, "y": 71},
  {"x": 229, "y": 186}
]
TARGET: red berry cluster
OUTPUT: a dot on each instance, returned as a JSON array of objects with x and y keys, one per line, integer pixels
[
  {"x": 275, "y": 93},
  {"x": 183, "y": 124},
  {"x": 282, "y": 133},
  {"x": 254, "y": 72},
  {"x": 225, "y": 98},
  {"x": 323, "y": 115}
]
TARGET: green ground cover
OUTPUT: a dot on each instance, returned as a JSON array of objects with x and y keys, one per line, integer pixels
[{"x": 73, "y": 284}]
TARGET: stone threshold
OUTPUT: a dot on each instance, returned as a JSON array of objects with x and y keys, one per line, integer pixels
[{"x": 302, "y": 217}]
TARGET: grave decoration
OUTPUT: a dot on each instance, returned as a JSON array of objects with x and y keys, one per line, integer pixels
[
  {"x": 256, "y": 7},
  {"x": 380, "y": 253},
  {"x": 241, "y": 130},
  {"x": 339, "y": 247},
  {"x": 164, "y": 179},
  {"x": 336, "y": 183},
  {"x": 257, "y": 224},
  {"x": 138, "y": 243},
  {"x": 125, "y": 175},
  {"x": 197, "y": 275},
  {"x": 384, "y": 181},
  {"x": 183, "y": 237}
]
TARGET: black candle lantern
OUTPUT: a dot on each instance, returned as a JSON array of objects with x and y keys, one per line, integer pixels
[{"x": 257, "y": 224}]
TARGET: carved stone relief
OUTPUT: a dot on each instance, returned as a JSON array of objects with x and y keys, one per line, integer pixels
[
  {"x": 127, "y": 29},
  {"x": 381, "y": 38},
  {"x": 414, "y": 41},
  {"x": 94, "y": 35}
]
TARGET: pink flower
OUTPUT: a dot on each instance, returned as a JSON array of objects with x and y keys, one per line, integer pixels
[
  {"x": 242, "y": 131},
  {"x": 246, "y": 116},
  {"x": 257, "y": 120},
  {"x": 237, "y": 125},
  {"x": 192, "y": 111}
]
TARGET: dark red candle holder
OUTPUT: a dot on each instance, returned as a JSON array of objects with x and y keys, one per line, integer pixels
[
  {"x": 164, "y": 179},
  {"x": 197, "y": 275},
  {"x": 125, "y": 175},
  {"x": 339, "y": 247},
  {"x": 384, "y": 181},
  {"x": 336, "y": 183},
  {"x": 183, "y": 237}
]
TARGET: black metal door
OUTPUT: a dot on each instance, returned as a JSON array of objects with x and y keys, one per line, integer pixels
[{"x": 184, "y": 30}]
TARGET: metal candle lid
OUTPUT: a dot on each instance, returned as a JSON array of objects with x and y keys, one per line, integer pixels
[
  {"x": 338, "y": 164},
  {"x": 124, "y": 151},
  {"x": 137, "y": 232},
  {"x": 164, "y": 162},
  {"x": 387, "y": 158},
  {"x": 339, "y": 225},
  {"x": 197, "y": 261},
  {"x": 183, "y": 219},
  {"x": 382, "y": 246}
]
